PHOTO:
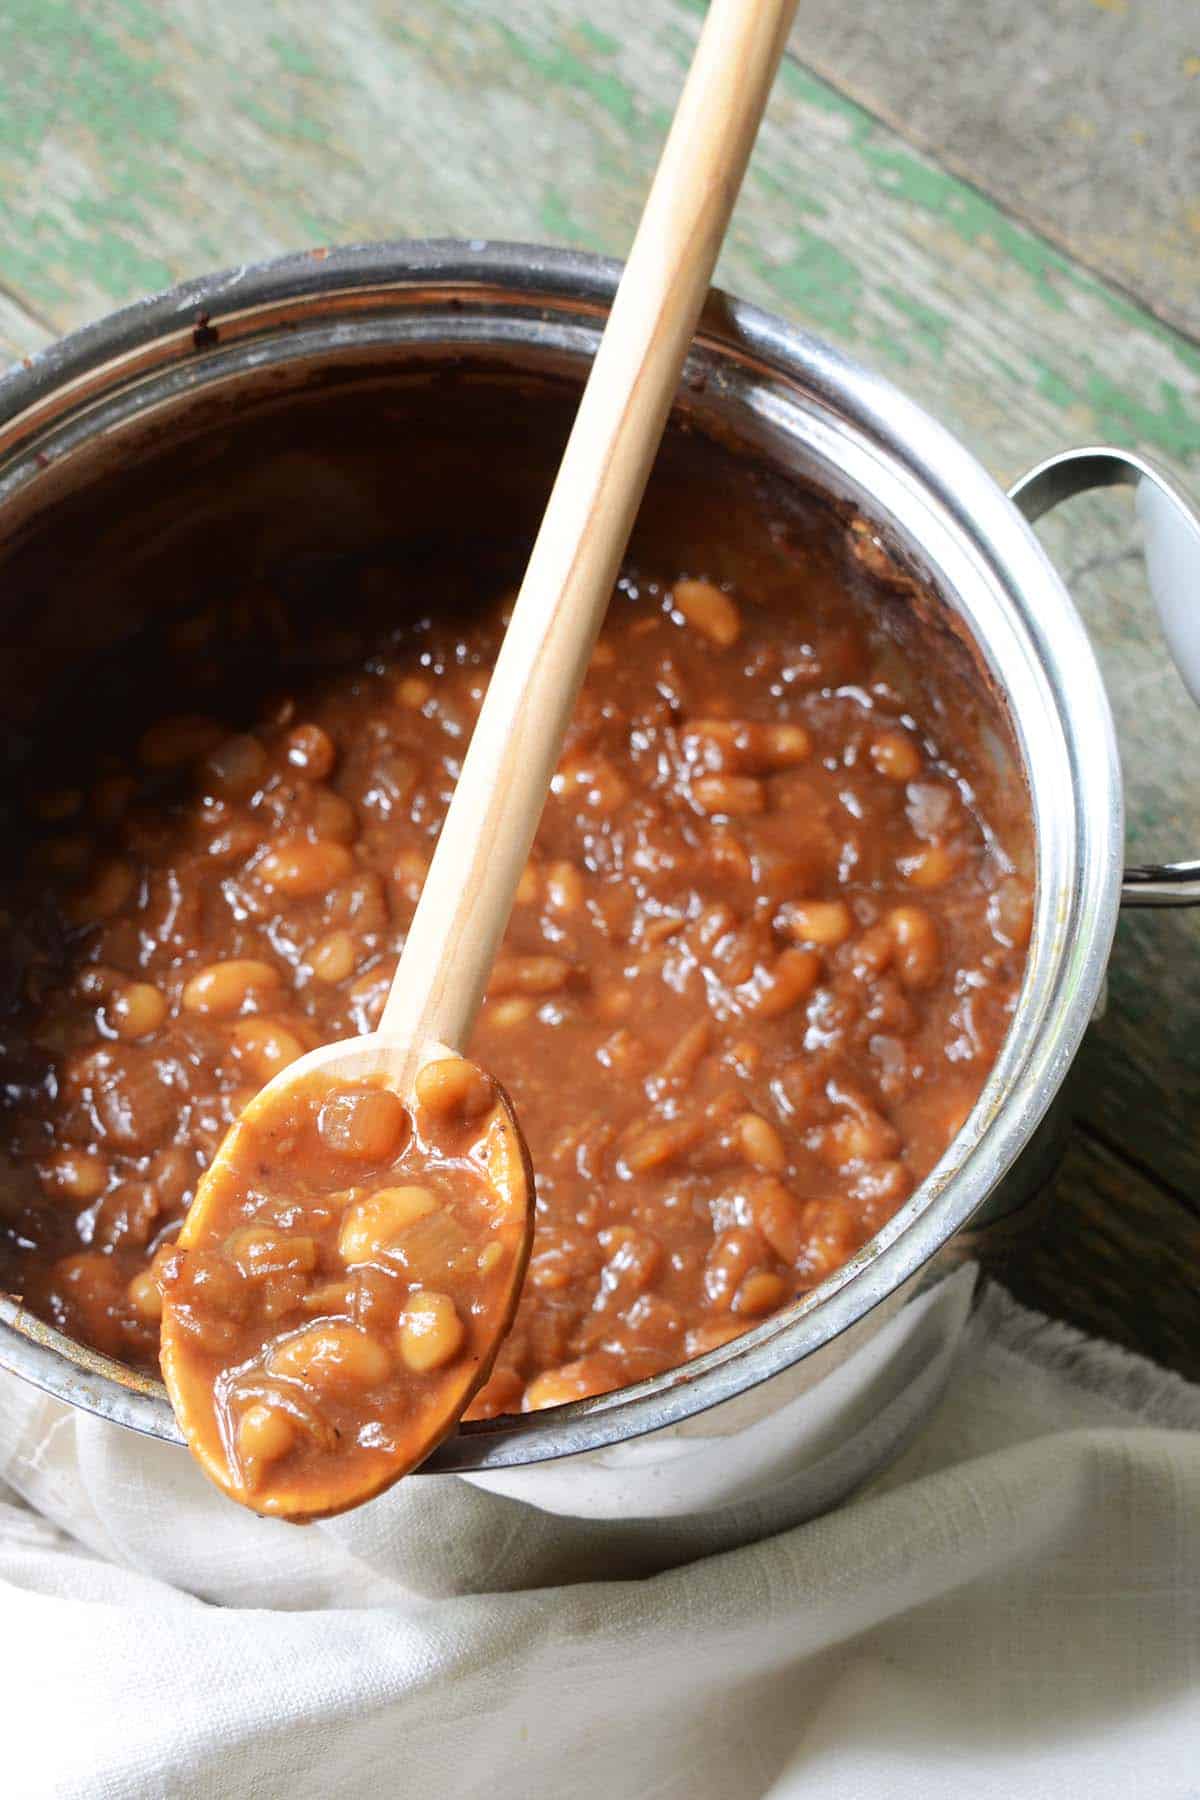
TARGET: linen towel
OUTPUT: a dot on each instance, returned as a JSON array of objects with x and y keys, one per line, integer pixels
[{"x": 1012, "y": 1609}]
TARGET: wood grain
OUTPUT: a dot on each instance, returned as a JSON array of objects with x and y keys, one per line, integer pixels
[{"x": 139, "y": 145}]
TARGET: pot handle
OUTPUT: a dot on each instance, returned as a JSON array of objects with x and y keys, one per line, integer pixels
[{"x": 1171, "y": 537}]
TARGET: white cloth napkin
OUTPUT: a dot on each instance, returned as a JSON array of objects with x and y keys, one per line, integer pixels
[{"x": 1012, "y": 1610}]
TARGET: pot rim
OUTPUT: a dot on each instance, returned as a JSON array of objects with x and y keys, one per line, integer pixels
[{"x": 1045, "y": 663}]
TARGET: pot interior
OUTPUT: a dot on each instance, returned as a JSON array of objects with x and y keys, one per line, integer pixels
[{"x": 346, "y": 490}]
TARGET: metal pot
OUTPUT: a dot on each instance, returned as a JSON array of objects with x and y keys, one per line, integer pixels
[{"x": 822, "y": 1394}]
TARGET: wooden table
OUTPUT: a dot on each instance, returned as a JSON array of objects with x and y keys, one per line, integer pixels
[{"x": 1009, "y": 226}]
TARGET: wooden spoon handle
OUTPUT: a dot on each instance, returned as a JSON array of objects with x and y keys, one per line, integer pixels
[{"x": 484, "y": 843}]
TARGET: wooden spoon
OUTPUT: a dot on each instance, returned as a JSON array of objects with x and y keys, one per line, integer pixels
[{"x": 489, "y": 828}]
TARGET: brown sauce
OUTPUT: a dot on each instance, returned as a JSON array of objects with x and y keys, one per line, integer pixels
[
  {"x": 762, "y": 959},
  {"x": 342, "y": 1287}
]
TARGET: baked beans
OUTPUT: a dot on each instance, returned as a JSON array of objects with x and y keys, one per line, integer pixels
[
  {"x": 766, "y": 947},
  {"x": 343, "y": 1287}
]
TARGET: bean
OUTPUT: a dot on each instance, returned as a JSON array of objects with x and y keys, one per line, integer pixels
[
  {"x": 564, "y": 888},
  {"x": 413, "y": 691},
  {"x": 687, "y": 1052},
  {"x": 333, "y": 958},
  {"x": 178, "y": 740},
  {"x": 301, "y": 869},
  {"x": 744, "y": 1057},
  {"x": 760, "y": 1143},
  {"x": 333, "y": 820},
  {"x": 825, "y": 923},
  {"x": 613, "y": 1002},
  {"x": 604, "y": 790},
  {"x": 623, "y": 1053},
  {"x": 145, "y": 1297},
  {"x": 727, "y": 857},
  {"x": 918, "y": 953},
  {"x": 173, "y": 1172},
  {"x": 431, "y": 1332},
  {"x": 311, "y": 752},
  {"x": 235, "y": 767},
  {"x": 370, "y": 991},
  {"x": 111, "y": 888},
  {"x": 760, "y": 1293},
  {"x": 792, "y": 978},
  {"x": 703, "y": 1338},
  {"x": 190, "y": 1273},
  {"x": 742, "y": 746},
  {"x": 79, "y": 1175},
  {"x": 733, "y": 1255},
  {"x": 778, "y": 1215},
  {"x": 221, "y": 990},
  {"x": 653, "y": 1146},
  {"x": 374, "y": 1224},
  {"x": 528, "y": 975},
  {"x": 634, "y": 1258},
  {"x": 408, "y": 873},
  {"x": 136, "y": 1010},
  {"x": 500, "y": 1393},
  {"x": 529, "y": 888},
  {"x": 332, "y": 1356},
  {"x": 882, "y": 1185},
  {"x": 359, "y": 904},
  {"x": 265, "y": 1433},
  {"x": 873, "y": 953},
  {"x": 1010, "y": 913},
  {"x": 859, "y": 1137},
  {"x": 258, "y": 1252},
  {"x": 709, "y": 611},
  {"x": 831, "y": 1238},
  {"x": 929, "y": 867},
  {"x": 729, "y": 796},
  {"x": 265, "y": 1047},
  {"x": 506, "y": 1015},
  {"x": 136, "y": 1107},
  {"x": 453, "y": 1088},
  {"x": 573, "y": 1381},
  {"x": 367, "y": 1124},
  {"x": 895, "y": 756}
]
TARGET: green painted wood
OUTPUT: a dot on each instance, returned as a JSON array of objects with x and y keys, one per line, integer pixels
[
  {"x": 1081, "y": 116},
  {"x": 143, "y": 143}
]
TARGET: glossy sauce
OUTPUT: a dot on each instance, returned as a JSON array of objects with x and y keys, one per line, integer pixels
[
  {"x": 762, "y": 959},
  {"x": 341, "y": 1290}
]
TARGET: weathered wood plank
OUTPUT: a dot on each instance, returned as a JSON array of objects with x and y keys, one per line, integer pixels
[
  {"x": 139, "y": 145},
  {"x": 1082, "y": 117},
  {"x": 1104, "y": 1222}
]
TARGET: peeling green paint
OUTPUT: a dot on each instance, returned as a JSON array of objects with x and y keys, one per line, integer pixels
[
  {"x": 295, "y": 58},
  {"x": 562, "y": 67},
  {"x": 561, "y": 225},
  {"x": 99, "y": 96},
  {"x": 818, "y": 278},
  {"x": 929, "y": 325},
  {"x": 601, "y": 41}
]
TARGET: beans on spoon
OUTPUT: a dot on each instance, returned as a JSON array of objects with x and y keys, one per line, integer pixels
[{"x": 340, "y": 1296}]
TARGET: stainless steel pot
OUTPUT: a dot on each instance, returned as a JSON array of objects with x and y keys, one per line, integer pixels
[{"x": 822, "y": 1393}]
